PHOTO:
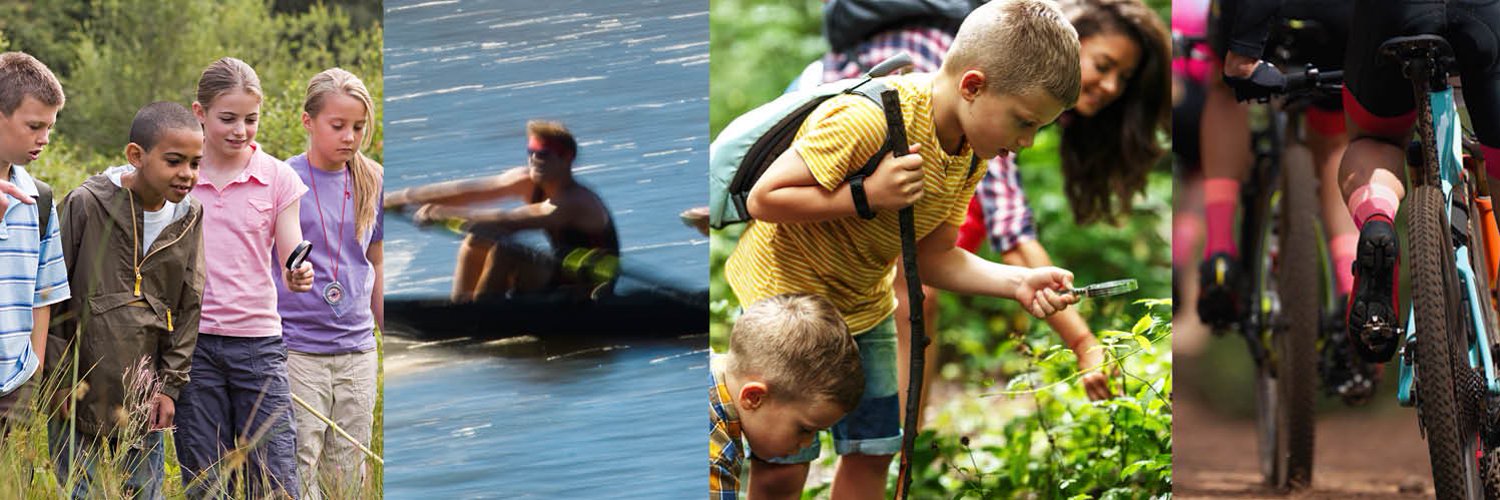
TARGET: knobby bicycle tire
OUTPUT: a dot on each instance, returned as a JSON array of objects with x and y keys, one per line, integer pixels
[
  {"x": 1296, "y": 332},
  {"x": 1435, "y": 303}
]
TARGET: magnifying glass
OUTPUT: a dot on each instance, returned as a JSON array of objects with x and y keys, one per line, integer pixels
[{"x": 1105, "y": 289}]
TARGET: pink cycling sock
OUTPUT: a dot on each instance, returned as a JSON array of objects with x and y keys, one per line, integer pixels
[
  {"x": 1370, "y": 200},
  {"x": 1343, "y": 248},
  {"x": 1186, "y": 229},
  {"x": 1221, "y": 197}
]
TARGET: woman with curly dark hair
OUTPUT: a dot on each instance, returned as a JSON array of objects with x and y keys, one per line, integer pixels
[{"x": 1110, "y": 141}]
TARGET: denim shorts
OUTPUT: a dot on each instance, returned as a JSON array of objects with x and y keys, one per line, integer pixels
[{"x": 874, "y": 427}]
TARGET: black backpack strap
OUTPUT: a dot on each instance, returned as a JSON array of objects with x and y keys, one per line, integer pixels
[
  {"x": 43, "y": 207},
  {"x": 973, "y": 165},
  {"x": 874, "y": 161},
  {"x": 872, "y": 89}
]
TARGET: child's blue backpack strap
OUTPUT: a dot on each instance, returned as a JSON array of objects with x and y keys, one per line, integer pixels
[{"x": 748, "y": 145}]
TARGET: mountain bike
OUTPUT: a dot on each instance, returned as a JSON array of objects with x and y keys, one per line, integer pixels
[
  {"x": 1447, "y": 367},
  {"x": 1288, "y": 313}
]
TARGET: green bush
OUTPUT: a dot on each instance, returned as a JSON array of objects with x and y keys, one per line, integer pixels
[
  {"x": 116, "y": 56},
  {"x": 756, "y": 48},
  {"x": 1050, "y": 440}
]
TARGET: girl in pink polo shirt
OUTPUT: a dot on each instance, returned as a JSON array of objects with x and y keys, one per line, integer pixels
[
  {"x": 238, "y": 393},
  {"x": 331, "y": 333}
]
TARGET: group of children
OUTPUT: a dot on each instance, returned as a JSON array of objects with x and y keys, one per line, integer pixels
[
  {"x": 169, "y": 305},
  {"x": 815, "y": 347}
]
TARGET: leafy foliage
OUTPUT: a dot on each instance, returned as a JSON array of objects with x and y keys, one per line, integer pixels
[
  {"x": 1045, "y": 438},
  {"x": 116, "y": 56},
  {"x": 755, "y": 49}
]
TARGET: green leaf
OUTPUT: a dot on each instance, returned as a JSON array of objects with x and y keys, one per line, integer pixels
[
  {"x": 1142, "y": 325},
  {"x": 1154, "y": 302},
  {"x": 1131, "y": 469}
]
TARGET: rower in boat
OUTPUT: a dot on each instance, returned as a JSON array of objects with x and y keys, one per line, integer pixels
[{"x": 585, "y": 248}]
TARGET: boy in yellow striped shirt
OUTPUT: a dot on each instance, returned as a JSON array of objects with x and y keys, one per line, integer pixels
[{"x": 1012, "y": 68}]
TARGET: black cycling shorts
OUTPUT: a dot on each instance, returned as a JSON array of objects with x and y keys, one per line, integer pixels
[{"x": 1381, "y": 95}]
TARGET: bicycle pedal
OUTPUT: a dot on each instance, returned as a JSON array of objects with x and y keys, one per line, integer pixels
[
  {"x": 1378, "y": 327},
  {"x": 1357, "y": 390}
]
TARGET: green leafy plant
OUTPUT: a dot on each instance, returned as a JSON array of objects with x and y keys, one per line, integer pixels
[{"x": 1049, "y": 440}]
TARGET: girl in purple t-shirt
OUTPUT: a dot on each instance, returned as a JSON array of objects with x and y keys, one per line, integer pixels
[
  {"x": 331, "y": 333},
  {"x": 237, "y": 394}
]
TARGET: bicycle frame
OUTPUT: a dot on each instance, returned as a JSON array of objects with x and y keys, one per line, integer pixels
[{"x": 1448, "y": 135}]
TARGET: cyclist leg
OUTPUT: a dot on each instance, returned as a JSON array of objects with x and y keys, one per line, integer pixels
[
  {"x": 1326, "y": 135},
  {"x": 1327, "y": 140},
  {"x": 1226, "y": 157},
  {"x": 1381, "y": 110},
  {"x": 1344, "y": 372}
]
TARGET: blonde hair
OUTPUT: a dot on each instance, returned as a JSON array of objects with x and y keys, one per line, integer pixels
[
  {"x": 800, "y": 347},
  {"x": 1020, "y": 46},
  {"x": 367, "y": 174},
  {"x": 22, "y": 75},
  {"x": 227, "y": 75}
]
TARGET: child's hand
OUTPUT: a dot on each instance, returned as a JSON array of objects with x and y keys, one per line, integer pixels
[
  {"x": 896, "y": 182},
  {"x": 13, "y": 190},
  {"x": 1039, "y": 290},
  {"x": 1095, "y": 381},
  {"x": 163, "y": 410},
  {"x": 301, "y": 279}
]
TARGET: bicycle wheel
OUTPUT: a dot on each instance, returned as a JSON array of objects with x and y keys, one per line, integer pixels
[
  {"x": 1452, "y": 439},
  {"x": 1297, "y": 331},
  {"x": 1287, "y": 302}
]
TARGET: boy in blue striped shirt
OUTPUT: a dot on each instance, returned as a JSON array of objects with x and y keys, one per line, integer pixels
[{"x": 32, "y": 273}]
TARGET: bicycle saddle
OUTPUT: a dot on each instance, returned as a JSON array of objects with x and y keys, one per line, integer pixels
[{"x": 1409, "y": 49}]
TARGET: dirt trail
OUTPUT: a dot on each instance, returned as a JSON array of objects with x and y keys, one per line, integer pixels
[{"x": 1371, "y": 454}]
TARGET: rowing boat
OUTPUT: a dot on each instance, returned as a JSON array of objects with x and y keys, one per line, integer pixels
[
  {"x": 639, "y": 305},
  {"x": 639, "y": 312}
]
